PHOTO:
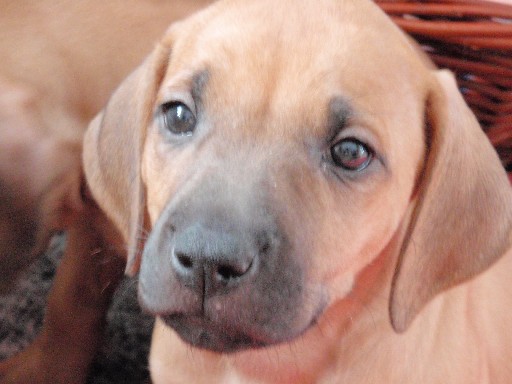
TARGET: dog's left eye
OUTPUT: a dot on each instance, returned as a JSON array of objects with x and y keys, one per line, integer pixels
[
  {"x": 178, "y": 118},
  {"x": 351, "y": 154}
]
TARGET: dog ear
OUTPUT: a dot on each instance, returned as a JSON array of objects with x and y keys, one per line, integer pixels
[
  {"x": 462, "y": 220},
  {"x": 112, "y": 152}
]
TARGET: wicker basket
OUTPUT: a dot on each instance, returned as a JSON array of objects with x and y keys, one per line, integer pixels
[{"x": 473, "y": 38}]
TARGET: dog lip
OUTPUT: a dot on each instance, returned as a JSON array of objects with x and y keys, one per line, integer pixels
[
  {"x": 205, "y": 334},
  {"x": 199, "y": 331}
]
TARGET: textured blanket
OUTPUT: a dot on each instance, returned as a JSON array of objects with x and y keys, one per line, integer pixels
[{"x": 123, "y": 358}]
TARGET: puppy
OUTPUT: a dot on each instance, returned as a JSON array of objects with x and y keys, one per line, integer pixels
[{"x": 306, "y": 200}]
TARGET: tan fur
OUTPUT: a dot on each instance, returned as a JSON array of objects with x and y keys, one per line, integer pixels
[{"x": 382, "y": 251}]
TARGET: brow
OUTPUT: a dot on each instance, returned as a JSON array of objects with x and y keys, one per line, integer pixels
[
  {"x": 199, "y": 81},
  {"x": 339, "y": 113}
]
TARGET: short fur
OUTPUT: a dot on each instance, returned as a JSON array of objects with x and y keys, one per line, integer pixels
[
  {"x": 353, "y": 259},
  {"x": 264, "y": 261}
]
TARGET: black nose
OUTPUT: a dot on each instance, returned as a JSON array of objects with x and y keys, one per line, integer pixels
[{"x": 209, "y": 261}]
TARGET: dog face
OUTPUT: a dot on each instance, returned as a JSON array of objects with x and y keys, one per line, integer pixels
[
  {"x": 278, "y": 156},
  {"x": 257, "y": 226}
]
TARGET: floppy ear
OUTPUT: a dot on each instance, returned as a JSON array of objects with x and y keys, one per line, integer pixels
[
  {"x": 463, "y": 217},
  {"x": 112, "y": 152}
]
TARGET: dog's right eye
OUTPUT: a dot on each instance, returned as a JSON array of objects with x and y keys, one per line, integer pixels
[
  {"x": 178, "y": 118},
  {"x": 351, "y": 154}
]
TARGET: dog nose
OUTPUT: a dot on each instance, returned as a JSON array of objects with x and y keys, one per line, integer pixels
[{"x": 209, "y": 261}]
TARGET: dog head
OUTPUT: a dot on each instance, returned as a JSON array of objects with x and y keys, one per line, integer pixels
[{"x": 267, "y": 152}]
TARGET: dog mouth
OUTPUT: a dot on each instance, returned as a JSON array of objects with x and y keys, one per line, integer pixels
[
  {"x": 222, "y": 337},
  {"x": 205, "y": 334}
]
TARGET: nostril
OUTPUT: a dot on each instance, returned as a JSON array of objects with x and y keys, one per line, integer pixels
[
  {"x": 185, "y": 260},
  {"x": 227, "y": 273}
]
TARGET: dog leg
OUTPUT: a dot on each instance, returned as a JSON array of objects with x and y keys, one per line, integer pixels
[{"x": 82, "y": 291}]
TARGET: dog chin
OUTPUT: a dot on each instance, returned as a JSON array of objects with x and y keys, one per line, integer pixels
[{"x": 205, "y": 334}]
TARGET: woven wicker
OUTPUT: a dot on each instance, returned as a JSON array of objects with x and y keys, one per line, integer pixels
[{"x": 474, "y": 39}]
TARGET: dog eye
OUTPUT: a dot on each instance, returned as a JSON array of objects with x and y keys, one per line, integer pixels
[
  {"x": 178, "y": 118},
  {"x": 351, "y": 155}
]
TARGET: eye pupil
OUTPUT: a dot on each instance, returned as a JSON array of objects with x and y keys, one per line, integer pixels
[
  {"x": 178, "y": 119},
  {"x": 351, "y": 155}
]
